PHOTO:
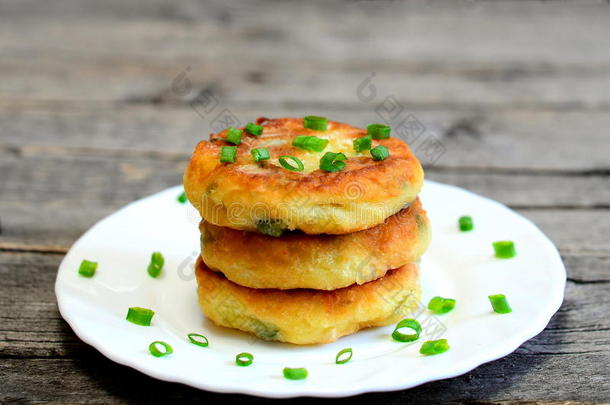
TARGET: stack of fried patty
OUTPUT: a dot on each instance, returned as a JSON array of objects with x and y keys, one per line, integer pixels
[{"x": 298, "y": 250}]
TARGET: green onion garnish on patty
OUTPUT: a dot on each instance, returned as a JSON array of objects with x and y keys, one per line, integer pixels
[
  {"x": 500, "y": 304},
  {"x": 160, "y": 349},
  {"x": 504, "y": 249},
  {"x": 380, "y": 152},
  {"x": 295, "y": 373},
  {"x": 362, "y": 144},
  {"x": 332, "y": 162},
  {"x": 234, "y": 135},
  {"x": 440, "y": 305},
  {"x": 254, "y": 129},
  {"x": 379, "y": 131},
  {"x": 87, "y": 268},
  {"x": 228, "y": 154},
  {"x": 410, "y": 324},
  {"x": 465, "y": 223},
  {"x": 341, "y": 359},
  {"x": 432, "y": 347},
  {"x": 140, "y": 316},
  {"x": 156, "y": 264},
  {"x": 197, "y": 339},
  {"x": 310, "y": 143},
  {"x": 298, "y": 164},
  {"x": 244, "y": 359},
  {"x": 315, "y": 122},
  {"x": 271, "y": 227},
  {"x": 181, "y": 198},
  {"x": 260, "y": 154}
]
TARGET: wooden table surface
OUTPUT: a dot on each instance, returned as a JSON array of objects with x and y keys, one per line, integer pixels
[{"x": 101, "y": 103}]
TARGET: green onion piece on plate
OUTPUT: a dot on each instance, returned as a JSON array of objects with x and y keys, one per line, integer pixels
[
  {"x": 160, "y": 349},
  {"x": 197, "y": 339},
  {"x": 295, "y": 373},
  {"x": 465, "y": 223},
  {"x": 380, "y": 152},
  {"x": 254, "y": 129},
  {"x": 332, "y": 162},
  {"x": 315, "y": 122},
  {"x": 432, "y": 347},
  {"x": 440, "y": 305},
  {"x": 260, "y": 154},
  {"x": 310, "y": 143},
  {"x": 140, "y": 316},
  {"x": 407, "y": 323},
  {"x": 500, "y": 304},
  {"x": 504, "y": 249},
  {"x": 244, "y": 359},
  {"x": 362, "y": 144},
  {"x": 234, "y": 135},
  {"x": 87, "y": 268},
  {"x": 298, "y": 164},
  {"x": 156, "y": 264},
  {"x": 341, "y": 359},
  {"x": 181, "y": 198},
  {"x": 228, "y": 154},
  {"x": 379, "y": 131}
]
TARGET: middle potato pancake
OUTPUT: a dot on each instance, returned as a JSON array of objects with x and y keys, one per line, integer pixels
[{"x": 321, "y": 262}]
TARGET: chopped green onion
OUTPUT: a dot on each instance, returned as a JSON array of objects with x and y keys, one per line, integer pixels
[
  {"x": 228, "y": 154},
  {"x": 234, "y": 135},
  {"x": 271, "y": 227},
  {"x": 500, "y": 304},
  {"x": 244, "y": 359},
  {"x": 504, "y": 249},
  {"x": 299, "y": 165},
  {"x": 379, "y": 131},
  {"x": 332, "y": 162},
  {"x": 362, "y": 144},
  {"x": 440, "y": 305},
  {"x": 432, "y": 347},
  {"x": 315, "y": 122},
  {"x": 156, "y": 264},
  {"x": 87, "y": 268},
  {"x": 380, "y": 152},
  {"x": 345, "y": 359},
  {"x": 465, "y": 223},
  {"x": 310, "y": 143},
  {"x": 140, "y": 316},
  {"x": 406, "y": 323},
  {"x": 254, "y": 129},
  {"x": 295, "y": 373},
  {"x": 182, "y": 198},
  {"x": 157, "y": 352},
  {"x": 198, "y": 339},
  {"x": 260, "y": 154}
]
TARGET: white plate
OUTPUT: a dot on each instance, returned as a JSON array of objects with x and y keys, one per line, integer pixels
[{"x": 460, "y": 265}]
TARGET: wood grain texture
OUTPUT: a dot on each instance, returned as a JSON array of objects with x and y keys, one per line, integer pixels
[
  {"x": 101, "y": 104},
  {"x": 33, "y": 337}
]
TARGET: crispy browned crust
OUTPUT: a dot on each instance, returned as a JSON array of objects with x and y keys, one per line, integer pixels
[
  {"x": 364, "y": 194},
  {"x": 322, "y": 262},
  {"x": 308, "y": 316}
]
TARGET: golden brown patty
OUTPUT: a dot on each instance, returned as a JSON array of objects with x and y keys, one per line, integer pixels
[
  {"x": 322, "y": 262},
  {"x": 308, "y": 316},
  {"x": 246, "y": 194}
]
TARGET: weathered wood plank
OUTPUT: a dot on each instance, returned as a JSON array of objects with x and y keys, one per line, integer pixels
[
  {"x": 509, "y": 139},
  {"x": 47, "y": 198},
  {"x": 35, "y": 341},
  {"x": 30, "y": 325},
  {"x": 424, "y": 54}
]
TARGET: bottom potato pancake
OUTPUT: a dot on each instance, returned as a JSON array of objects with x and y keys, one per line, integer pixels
[{"x": 306, "y": 316}]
